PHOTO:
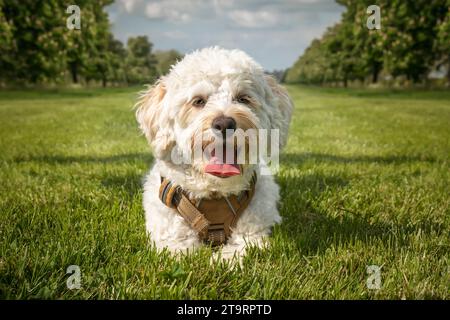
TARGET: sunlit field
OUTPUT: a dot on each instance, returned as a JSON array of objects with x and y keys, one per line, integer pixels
[{"x": 364, "y": 181}]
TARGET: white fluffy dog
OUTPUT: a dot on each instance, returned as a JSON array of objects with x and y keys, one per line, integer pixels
[{"x": 208, "y": 90}]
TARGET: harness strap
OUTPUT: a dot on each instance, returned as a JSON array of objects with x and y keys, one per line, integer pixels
[
  {"x": 216, "y": 234},
  {"x": 212, "y": 225},
  {"x": 193, "y": 216}
]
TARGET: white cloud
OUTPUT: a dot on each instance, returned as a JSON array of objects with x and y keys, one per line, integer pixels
[
  {"x": 253, "y": 19},
  {"x": 176, "y": 34},
  {"x": 220, "y": 6},
  {"x": 154, "y": 10},
  {"x": 130, "y": 5},
  {"x": 166, "y": 11},
  {"x": 275, "y": 33}
]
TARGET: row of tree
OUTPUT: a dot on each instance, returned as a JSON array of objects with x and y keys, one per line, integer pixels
[
  {"x": 413, "y": 40},
  {"x": 37, "y": 47}
]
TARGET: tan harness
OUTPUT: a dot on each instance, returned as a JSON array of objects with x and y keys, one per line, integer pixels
[{"x": 212, "y": 219}]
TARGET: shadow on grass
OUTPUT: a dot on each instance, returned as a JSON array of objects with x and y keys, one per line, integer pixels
[
  {"x": 292, "y": 159},
  {"x": 384, "y": 93},
  {"x": 314, "y": 231},
  {"x": 60, "y": 159},
  {"x": 314, "y": 228},
  {"x": 130, "y": 183},
  {"x": 402, "y": 94},
  {"x": 289, "y": 159},
  {"x": 43, "y": 93}
]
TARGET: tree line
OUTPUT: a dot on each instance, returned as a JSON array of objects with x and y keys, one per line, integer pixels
[
  {"x": 36, "y": 47},
  {"x": 413, "y": 40}
]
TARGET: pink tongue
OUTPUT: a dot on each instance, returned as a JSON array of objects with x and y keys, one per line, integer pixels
[{"x": 216, "y": 168}]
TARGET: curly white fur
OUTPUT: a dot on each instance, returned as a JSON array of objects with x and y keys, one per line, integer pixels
[{"x": 170, "y": 122}]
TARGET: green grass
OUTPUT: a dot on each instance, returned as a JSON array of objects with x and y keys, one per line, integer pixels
[{"x": 364, "y": 181}]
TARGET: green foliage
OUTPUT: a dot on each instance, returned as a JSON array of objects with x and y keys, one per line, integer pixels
[
  {"x": 34, "y": 33},
  {"x": 36, "y": 47},
  {"x": 413, "y": 36},
  {"x": 409, "y": 36},
  {"x": 443, "y": 40},
  {"x": 117, "y": 56},
  {"x": 6, "y": 44},
  {"x": 444, "y": 32},
  {"x": 87, "y": 48},
  {"x": 312, "y": 67},
  {"x": 364, "y": 181},
  {"x": 140, "y": 62},
  {"x": 165, "y": 59}
]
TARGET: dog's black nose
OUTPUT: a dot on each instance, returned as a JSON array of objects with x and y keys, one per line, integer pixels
[{"x": 223, "y": 123}]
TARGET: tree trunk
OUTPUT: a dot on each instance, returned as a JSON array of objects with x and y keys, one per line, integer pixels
[
  {"x": 104, "y": 82},
  {"x": 448, "y": 71},
  {"x": 74, "y": 72},
  {"x": 375, "y": 73},
  {"x": 376, "y": 69}
]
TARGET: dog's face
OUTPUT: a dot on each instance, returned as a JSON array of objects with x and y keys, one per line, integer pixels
[{"x": 207, "y": 95}]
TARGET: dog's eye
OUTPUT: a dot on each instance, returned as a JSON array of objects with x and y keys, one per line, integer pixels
[
  {"x": 199, "y": 102},
  {"x": 244, "y": 99}
]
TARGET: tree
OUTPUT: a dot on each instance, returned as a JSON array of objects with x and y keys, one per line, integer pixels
[
  {"x": 6, "y": 45},
  {"x": 165, "y": 59},
  {"x": 87, "y": 48},
  {"x": 37, "y": 47},
  {"x": 342, "y": 54},
  {"x": 330, "y": 59},
  {"x": 117, "y": 56},
  {"x": 140, "y": 62},
  {"x": 409, "y": 35},
  {"x": 311, "y": 67},
  {"x": 413, "y": 36},
  {"x": 365, "y": 44},
  {"x": 33, "y": 32},
  {"x": 442, "y": 45}
]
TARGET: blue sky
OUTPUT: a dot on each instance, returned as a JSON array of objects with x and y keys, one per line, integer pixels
[{"x": 275, "y": 33}]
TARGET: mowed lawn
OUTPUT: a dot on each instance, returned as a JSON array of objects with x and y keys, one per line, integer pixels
[{"x": 364, "y": 181}]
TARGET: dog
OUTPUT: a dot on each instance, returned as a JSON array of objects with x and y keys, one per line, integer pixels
[{"x": 210, "y": 93}]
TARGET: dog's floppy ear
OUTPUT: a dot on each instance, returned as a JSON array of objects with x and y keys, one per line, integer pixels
[
  {"x": 284, "y": 105},
  {"x": 149, "y": 116}
]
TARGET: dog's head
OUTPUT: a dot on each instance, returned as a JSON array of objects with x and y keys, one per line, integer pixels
[{"x": 205, "y": 96}]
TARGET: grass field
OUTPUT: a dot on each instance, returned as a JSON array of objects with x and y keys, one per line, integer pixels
[{"x": 364, "y": 179}]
